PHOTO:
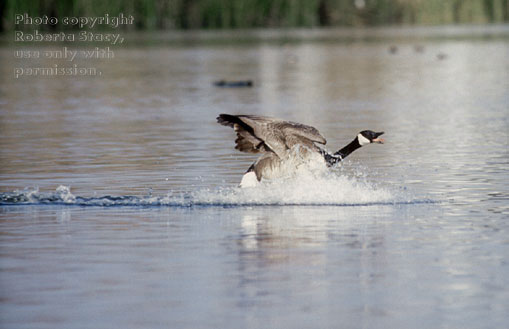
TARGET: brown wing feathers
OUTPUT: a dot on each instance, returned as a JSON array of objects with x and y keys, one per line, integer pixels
[
  {"x": 246, "y": 140},
  {"x": 264, "y": 134}
]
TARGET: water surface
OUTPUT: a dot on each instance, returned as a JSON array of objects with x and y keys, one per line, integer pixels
[{"x": 120, "y": 206}]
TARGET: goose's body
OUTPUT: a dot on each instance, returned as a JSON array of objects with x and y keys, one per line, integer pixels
[{"x": 284, "y": 145}]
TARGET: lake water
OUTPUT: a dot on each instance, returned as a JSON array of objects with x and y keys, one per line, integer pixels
[{"x": 119, "y": 198}]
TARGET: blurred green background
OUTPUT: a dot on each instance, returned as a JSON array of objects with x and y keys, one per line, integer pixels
[{"x": 214, "y": 14}]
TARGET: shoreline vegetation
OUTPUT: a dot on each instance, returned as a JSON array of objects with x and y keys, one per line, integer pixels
[{"x": 232, "y": 14}]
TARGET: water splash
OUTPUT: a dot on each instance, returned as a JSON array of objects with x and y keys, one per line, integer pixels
[{"x": 305, "y": 189}]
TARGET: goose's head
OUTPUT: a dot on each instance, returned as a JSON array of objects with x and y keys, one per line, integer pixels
[{"x": 366, "y": 137}]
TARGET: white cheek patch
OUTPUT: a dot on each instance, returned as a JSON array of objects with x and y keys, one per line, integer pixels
[{"x": 362, "y": 140}]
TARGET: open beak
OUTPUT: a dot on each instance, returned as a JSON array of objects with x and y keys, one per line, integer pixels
[{"x": 377, "y": 139}]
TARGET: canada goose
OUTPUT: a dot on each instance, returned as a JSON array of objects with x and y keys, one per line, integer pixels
[{"x": 276, "y": 138}]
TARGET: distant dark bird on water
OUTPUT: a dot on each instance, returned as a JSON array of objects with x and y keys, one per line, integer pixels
[
  {"x": 285, "y": 145},
  {"x": 419, "y": 48},
  {"x": 441, "y": 56},
  {"x": 393, "y": 49},
  {"x": 233, "y": 84}
]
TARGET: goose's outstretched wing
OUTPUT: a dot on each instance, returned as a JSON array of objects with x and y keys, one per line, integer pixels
[{"x": 265, "y": 134}]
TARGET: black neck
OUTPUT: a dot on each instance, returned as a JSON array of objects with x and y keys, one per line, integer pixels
[
  {"x": 333, "y": 159},
  {"x": 345, "y": 151}
]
